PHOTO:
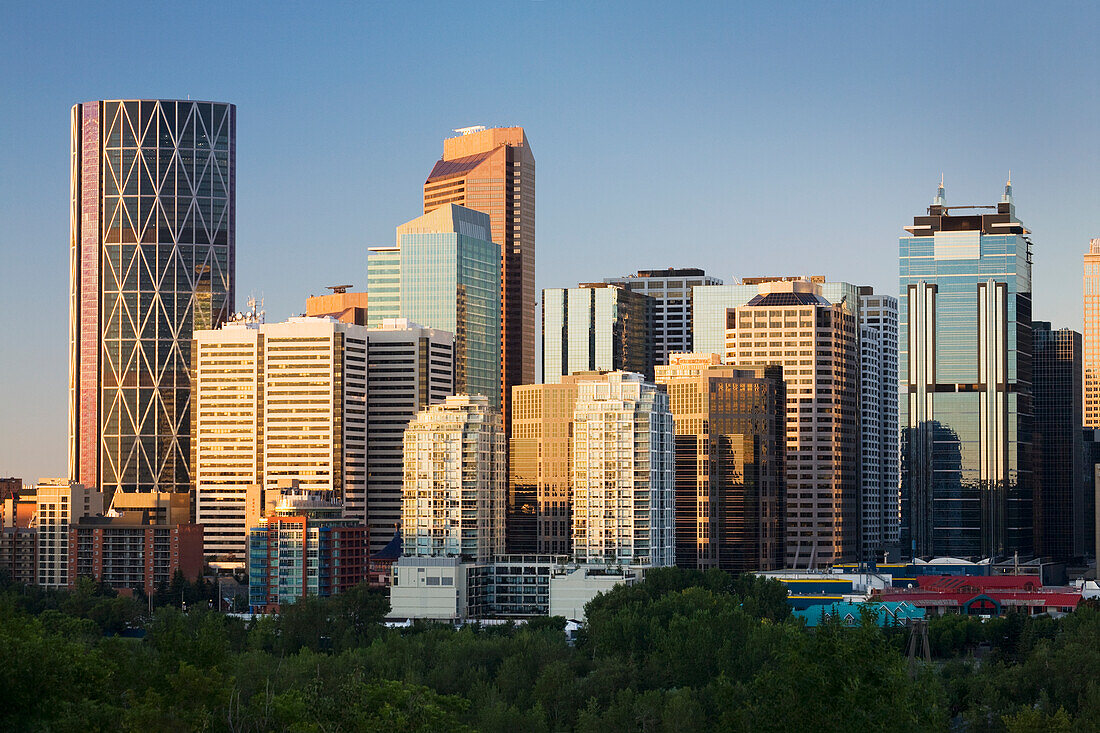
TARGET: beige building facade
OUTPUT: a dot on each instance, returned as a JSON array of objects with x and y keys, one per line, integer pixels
[
  {"x": 59, "y": 504},
  {"x": 623, "y": 473},
  {"x": 453, "y": 502},
  {"x": 816, "y": 343},
  {"x": 276, "y": 402},
  {"x": 1091, "y": 341},
  {"x": 540, "y": 463},
  {"x": 730, "y": 442}
]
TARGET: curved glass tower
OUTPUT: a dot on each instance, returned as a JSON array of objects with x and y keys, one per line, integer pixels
[{"x": 152, "y": 259}]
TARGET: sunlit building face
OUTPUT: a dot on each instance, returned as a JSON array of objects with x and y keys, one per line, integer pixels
[{"x": 152, "y": 260}]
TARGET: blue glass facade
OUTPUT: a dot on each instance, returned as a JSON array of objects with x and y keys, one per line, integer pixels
[
  {"x": 965, "y": 393},
  {"x": 445, "y": 274}
]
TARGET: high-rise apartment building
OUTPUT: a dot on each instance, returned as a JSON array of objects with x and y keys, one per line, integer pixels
[
  {"x": 60, "y": 503},
  {"x": 791, "y": 324},
  {"x": 880, "y": 502},
  {"x": 493, "y": 171},
  {"x": 672, "y": 290},
  {"x": 453, "y": 503},
  {"x": 277, "y": 401},
  {"x": 152, "y": 259},
  {"x": 966, "y": 367},
  {"x": 304, "y": 547},
  {"x": 447, "y": 278},
  {"x": 1063, "y": 525},
  {"x": 623, "y": 473},
  {"x": 540, "y": 464},
  {"x": 596, "y": 327},
  {"x": 409, "y": 367},
  {"x": 730, "y": 441},
  {"x": 132, "y": 551},
  {"x": 1092, "y": 335}
]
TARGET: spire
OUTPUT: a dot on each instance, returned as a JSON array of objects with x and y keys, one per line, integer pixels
[
  {"x": 940, "y": 199},
  {"x": 1007, "y": 198}
]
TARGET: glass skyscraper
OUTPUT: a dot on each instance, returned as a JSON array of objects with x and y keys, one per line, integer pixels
[
  {"x": 152, "y": 260},
  {"x": 447, "y": 278},
  {"x": 672, "y": 290},
  {"x": 596, "y": 327},
  {"x": 1063, "y": 523},
  {"x": 965, "y": 364}
]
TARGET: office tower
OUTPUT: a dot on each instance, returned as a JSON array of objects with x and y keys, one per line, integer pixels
[
  {"x": 730, "y": 440},
  {"x": 1090, "y": 482},
  {"x": 409, "y": 367},
  {"x": 59, "y": 504},
  {"x": 540, "y": 489},
  {"x": 710, "y": 303},
  {"x": 880, "y": 505},
  {"x": 1062, "y": 524},
  {"x": 453, "y": 502},
  {"x": 596, "y": 327},
  {"x": 1092, "y": 335},
  {"x": 493, "y": 171},
  {"x": 275, "y": 401},
  {"x": 965, "y": 355},
  {"x": 339, "y": 304},
  {"x": 789, "y": 323},
  {"x": 672, "y": 291},
  {"x": 448, "y": 278},
  {"x": 152, "y": 258},
  {"x": 304, "y": 547},
  {"x": 623, "y": 473}
]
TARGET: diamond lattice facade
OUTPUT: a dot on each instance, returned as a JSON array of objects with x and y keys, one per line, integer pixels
[{"x": 152, "y": 260}]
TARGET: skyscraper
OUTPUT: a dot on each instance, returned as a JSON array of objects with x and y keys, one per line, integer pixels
[
  {"x": 730, "y": 442},
  {"x": 493, "y": 171},
  {"x": 880, "y": 503},
  {"x": 596, "y": 327},
  {"x": 447, "y": 278},
  {"x": 409, "y": 367},
  {"x": 1092, "y": 335},
  {"x": 672, "y": 290},
  {"x": 453, "y": 503},
  {"x": 277, "y": 402},
  {"x": 1063, "y": 524},
  {"x": 623, "y": 473},
  {"x": 152, "y": 259},
  {"x": 965, "y": 360},
  {"x": 540, "y": 465},
  {"x": 815, "y": 342},
  {"x": 709, "y": 304}
]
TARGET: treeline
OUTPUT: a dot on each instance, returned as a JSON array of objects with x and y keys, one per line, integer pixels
[{"x": 682, "y": 651}]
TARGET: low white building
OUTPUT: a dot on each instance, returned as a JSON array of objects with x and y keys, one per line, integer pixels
[{"x": 508, "y": 587}]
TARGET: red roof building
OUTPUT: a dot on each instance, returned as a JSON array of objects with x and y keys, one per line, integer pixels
[{"x": 987, "y": 595}]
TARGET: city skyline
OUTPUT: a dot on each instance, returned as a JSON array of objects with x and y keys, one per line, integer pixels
[{"x": 654, "y": 102}]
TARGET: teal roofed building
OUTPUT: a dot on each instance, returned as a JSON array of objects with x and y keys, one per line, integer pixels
[{"x": 850, "y": 614}]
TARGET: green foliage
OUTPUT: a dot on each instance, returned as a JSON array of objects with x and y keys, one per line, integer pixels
[{"x": 682, "y": 651}]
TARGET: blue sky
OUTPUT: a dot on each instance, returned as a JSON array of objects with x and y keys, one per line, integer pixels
[{"x": 745, "y": 138}]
